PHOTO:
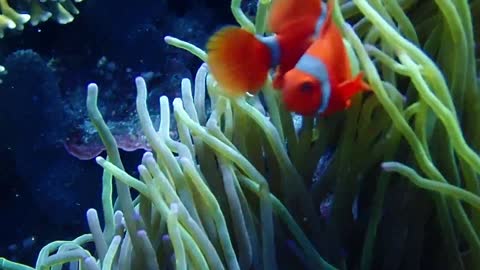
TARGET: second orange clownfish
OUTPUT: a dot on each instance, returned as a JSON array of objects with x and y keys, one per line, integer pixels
[{"x": 307, "y": 52}]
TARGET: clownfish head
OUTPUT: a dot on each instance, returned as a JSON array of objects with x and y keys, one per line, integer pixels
[
  {"x": 301, "y": 92},
  {"x": 306, "y": 88}
]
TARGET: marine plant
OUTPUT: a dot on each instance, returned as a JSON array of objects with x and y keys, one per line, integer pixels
[{"x": 245, "y": 179}]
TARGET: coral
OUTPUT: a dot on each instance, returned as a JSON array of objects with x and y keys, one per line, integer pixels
[
  {"x": 38, "y": 102},
  {"x": 12, "y": 16},
  {"x": 41, "y": 97},
  {"x": 246, "y": 187}
]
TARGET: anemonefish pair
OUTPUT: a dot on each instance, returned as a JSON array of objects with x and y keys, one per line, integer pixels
[{"x": 307, "y": 51}]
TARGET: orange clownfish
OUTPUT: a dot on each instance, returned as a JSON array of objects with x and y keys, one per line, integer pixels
[
  {"x": 240, "y": 60},
  {"x": 321, "y": 81}
]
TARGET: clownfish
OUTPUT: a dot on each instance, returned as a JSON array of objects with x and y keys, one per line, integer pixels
[
  {"x": 240, "y": 61},
  {"x": 321, "y": 81}
]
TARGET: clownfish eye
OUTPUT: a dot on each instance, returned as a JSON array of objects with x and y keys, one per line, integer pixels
[{"x": 306, "y": 87}]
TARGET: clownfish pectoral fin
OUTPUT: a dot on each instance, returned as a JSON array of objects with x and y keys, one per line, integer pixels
[
  {"x": 283, "y": 12},
  {"x": 351, "y": 87},
  {"x": 238, "y": 60}
]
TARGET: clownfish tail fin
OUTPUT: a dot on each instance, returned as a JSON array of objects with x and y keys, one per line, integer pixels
[
  {"x": 351, "y": 87},
  {"x": 361, "y": 83},
  {"x": 238, "y": 60}
]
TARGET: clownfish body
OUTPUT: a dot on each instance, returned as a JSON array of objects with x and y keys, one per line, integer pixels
[
  {"x": 240, "y": 61},
  {"x": 321, "y": 81}
]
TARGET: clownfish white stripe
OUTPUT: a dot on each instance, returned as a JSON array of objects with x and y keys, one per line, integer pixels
[
  {"x": 274, "y": 47},
  {"x": 316, "y": 68},
  {"x": 321, "y": 20}
]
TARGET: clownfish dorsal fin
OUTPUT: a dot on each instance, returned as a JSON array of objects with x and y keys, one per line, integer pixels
[{"x": 284, "y": 12}]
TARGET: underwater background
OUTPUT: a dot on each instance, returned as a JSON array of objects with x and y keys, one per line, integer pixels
[
  {"x": 49, "y": 183},
  {"x": 391, "y": 183}
]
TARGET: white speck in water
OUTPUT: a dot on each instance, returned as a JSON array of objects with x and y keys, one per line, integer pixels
[{"x": 28, "y": 242}]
